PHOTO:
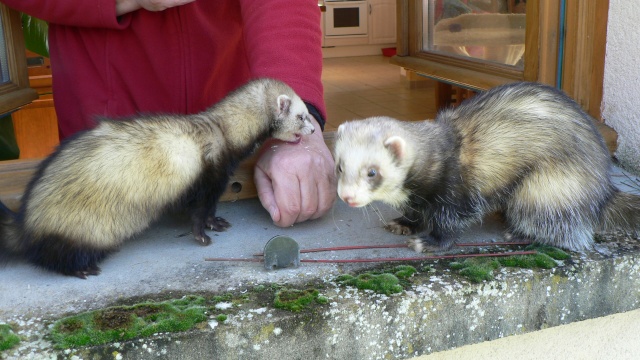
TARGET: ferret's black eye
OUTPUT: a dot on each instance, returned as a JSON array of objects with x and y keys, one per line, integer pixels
[
  {"x": 372, "y": 173},
  {"x": 339, "y": 169}
]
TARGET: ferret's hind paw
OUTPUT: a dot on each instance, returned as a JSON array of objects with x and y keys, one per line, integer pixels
[
  {"x": 512, "y": 236},
  {"x": 90, "y": 271},
  {"x": 217, "y": 223},
  {"x": 416, "y": 244},
  {"x": 397, "y": 228},
  {"x": 427, "y": 244}
]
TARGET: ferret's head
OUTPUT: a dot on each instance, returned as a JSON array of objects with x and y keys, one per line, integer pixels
[
  {"x": 372, "y": 160},
  {"x": 292, "y": 119}
]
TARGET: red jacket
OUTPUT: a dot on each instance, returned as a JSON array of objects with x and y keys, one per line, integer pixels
[{"x": 181, "y": 60}]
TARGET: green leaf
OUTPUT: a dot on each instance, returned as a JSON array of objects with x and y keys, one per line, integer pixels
[{"x": 36, "y": 35}]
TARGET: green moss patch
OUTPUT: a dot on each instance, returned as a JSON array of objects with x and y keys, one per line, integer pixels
[
  {"x": 553, "y": 252},
  {"x": 128, "y": 322},
  {"x": 384, "y": 282},
  {"x": 539, "y": 260},
  {"x": 404, "y": 271},
  {"x": 296, "y": 300},
  {"x": 481, "y": 269},
  {"x": 140, "y": 318},
  {"x": 476, "y": 269},
  {"x": 8, "y": 339}
]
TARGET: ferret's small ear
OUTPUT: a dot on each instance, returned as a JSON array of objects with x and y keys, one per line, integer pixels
[
  {"x": 396, "y": 145},
  {"x": 284, "y": 103}
]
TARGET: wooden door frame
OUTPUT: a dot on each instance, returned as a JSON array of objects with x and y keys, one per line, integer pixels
[{"x": 584, "y": 52}]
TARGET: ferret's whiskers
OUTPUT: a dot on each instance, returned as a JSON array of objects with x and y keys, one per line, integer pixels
[
  {"x": 413, "y": 210},
  {"x": 365, "y": 213},
  {"x": 379, "y": 213},
  {"x": 631, "y": 182},
  {"x": 333, "y": 217}
]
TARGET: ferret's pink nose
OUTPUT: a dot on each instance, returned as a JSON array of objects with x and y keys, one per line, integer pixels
[{"x": 349, "y": 200}]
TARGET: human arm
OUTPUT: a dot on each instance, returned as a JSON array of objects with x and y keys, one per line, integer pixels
[
  {"x": 283, "y": 41},
  {"x": 295, "y": 182},
  {"x": 127, "y": 6},
  {"x": 94, "y": 13}
]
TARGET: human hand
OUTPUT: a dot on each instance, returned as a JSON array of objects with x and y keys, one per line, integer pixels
[
  {"x": 127, "y": 6},
  {"x": 296, "y": 182}
]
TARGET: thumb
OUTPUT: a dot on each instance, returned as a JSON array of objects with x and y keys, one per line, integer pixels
[{"x": 265, "y": 193}]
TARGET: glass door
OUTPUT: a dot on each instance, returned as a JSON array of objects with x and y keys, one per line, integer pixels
[
  {"x": 478, "y": 44},
  {"x": 14, "y": 79}
]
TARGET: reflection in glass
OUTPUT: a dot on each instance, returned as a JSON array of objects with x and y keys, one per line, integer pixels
[
  {"x": 489, "y": 30},
  {"x": 4, "y": 63}
]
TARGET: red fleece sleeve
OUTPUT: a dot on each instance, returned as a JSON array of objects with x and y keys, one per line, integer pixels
[
  {"x": 283, "y": 41},
  {"x": 92, "y": 13}
]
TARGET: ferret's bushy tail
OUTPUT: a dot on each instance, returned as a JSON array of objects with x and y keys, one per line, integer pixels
[
  {"x": 622, "y": 212},
  {"x": 9, "y": 233}
]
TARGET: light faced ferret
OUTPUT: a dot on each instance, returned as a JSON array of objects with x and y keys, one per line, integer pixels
[{"x": 524, "y": 149}]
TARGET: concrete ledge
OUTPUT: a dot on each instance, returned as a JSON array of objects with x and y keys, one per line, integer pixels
[{"x": 439, "y": 311}]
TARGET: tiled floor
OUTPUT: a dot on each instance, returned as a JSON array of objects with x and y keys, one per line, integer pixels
[{"x": 363, "y": 86}]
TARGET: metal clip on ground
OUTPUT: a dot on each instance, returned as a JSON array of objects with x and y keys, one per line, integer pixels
[{"x": 281, "y": 252}]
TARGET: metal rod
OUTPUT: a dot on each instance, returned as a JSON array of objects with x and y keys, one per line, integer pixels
[
  {"x": 496, "y": 243},
  {"x": 423, "y": 258},
  {"x": 354, "y": 247},
  {"x": 234, "y": 259},
  {"x": 398, "y": 246},
  {"x": 420, "y": 258}
]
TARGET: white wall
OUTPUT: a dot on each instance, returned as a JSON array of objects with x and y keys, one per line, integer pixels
[{"x": 621, "y": 100}]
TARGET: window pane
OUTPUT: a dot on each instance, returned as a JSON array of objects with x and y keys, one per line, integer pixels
[
  {"x": 346, "y": 17},
  {"x": 489, "y": 30}
]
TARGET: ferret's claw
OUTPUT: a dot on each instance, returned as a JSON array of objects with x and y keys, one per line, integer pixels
[
  {"x": 217, "y": 223},
  {"x": 398, "y": 229}
]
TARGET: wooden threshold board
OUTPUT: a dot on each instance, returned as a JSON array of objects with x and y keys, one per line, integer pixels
[{"x": 15, "y": 175}]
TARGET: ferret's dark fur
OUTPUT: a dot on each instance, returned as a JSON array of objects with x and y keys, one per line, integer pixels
[
  {"x": 524, "y": 149},
  {"x": 109, "y": 183}
]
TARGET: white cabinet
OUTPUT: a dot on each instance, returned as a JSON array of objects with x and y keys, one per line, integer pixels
[{"x": 382, "y": 21}]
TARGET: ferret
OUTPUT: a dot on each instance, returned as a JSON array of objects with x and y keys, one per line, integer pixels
[
  {"x": 524, "y": 150},
  {"x": 109, "y": 183}
]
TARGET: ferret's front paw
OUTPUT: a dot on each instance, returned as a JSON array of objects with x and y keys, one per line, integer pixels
[
  {"x": 199, "y": 235},
  {"x": 399, "y": 229},
  {"x": 217, "y": 223}
]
